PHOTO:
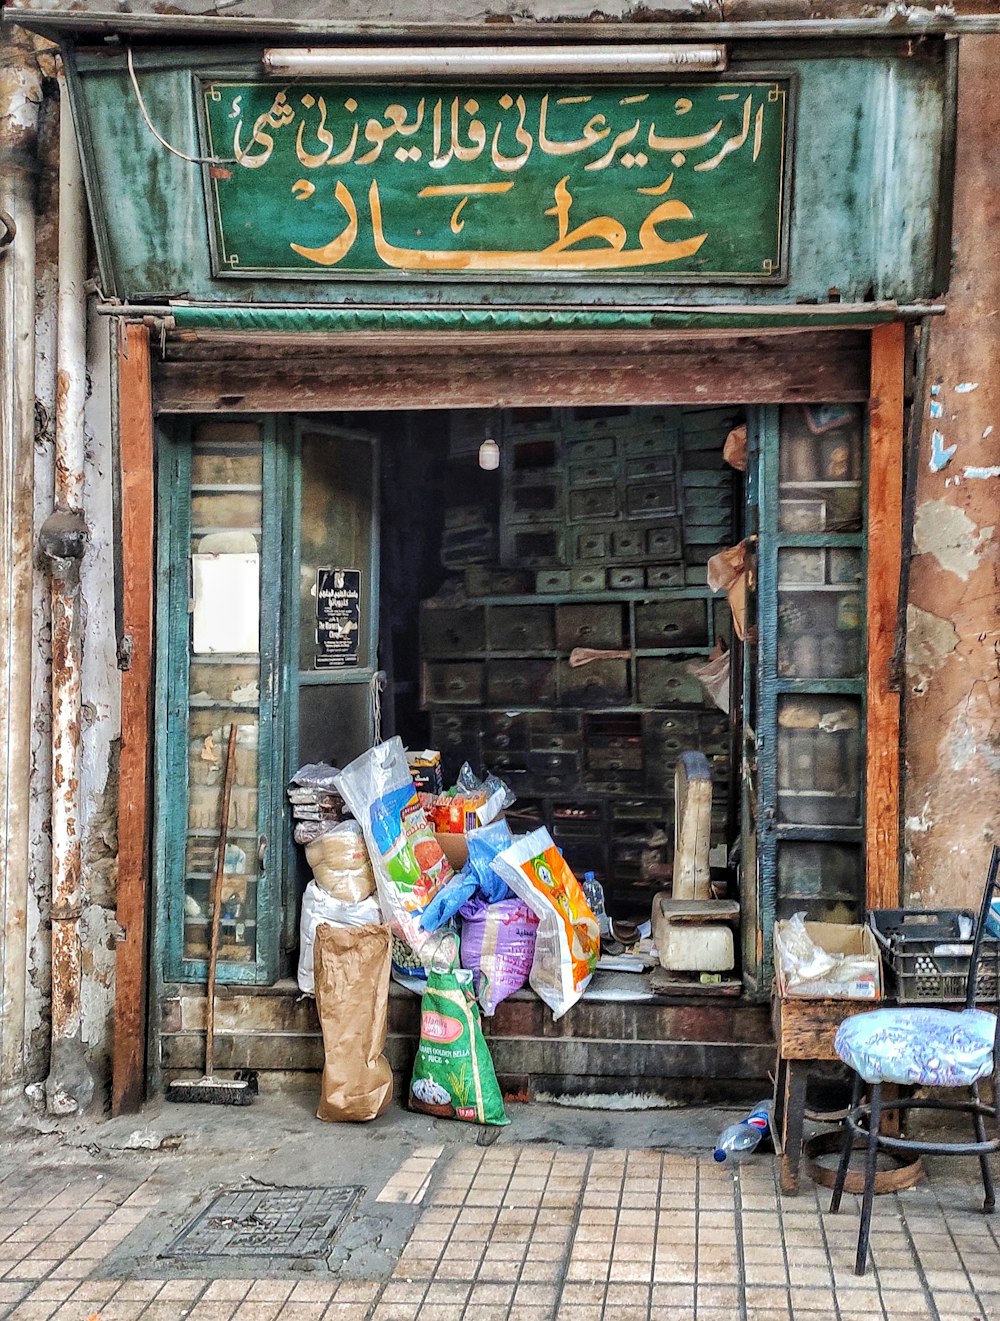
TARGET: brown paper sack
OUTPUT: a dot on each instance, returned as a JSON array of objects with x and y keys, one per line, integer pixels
[
  {"x": 352, "y": 997},
  {"x": 735, "y": 449},
  {"x": 726, "y": 572},
  {"x": 737, "y": 596}
]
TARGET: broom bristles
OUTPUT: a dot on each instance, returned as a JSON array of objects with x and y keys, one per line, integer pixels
[{"x": 213, "y": 1091}]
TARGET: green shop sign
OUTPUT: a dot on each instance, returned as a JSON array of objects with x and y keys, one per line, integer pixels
[{"x": 678, "y": 181}]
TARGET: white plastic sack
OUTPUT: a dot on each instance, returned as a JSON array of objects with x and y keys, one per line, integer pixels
[{"x": 318, "y": 908}]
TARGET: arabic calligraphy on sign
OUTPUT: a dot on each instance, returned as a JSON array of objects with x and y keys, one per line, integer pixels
[{"x": 686, "y": 179}]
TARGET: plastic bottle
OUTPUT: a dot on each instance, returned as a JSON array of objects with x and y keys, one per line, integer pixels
[
  {"x": 742, "y": 1138},
  {"x": 594, "y": 894}
]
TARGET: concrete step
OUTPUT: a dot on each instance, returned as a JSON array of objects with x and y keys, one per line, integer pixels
[{"x": 675, "y": 1050}]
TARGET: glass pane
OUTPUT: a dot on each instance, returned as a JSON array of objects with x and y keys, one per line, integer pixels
[
  {"x": 334, "y": 722},
  {"x": 820, "y": 613},
  {"x": 824, "y": 880},
  {"x": 819, "y": 760},
  {"x": 820, "y": 466},
  {"x": 224, "y": 687},
  {"x": 336, "y": 532},
  {"x": 819, "y": 910}
]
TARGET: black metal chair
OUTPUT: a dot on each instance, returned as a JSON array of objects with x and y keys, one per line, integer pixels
[{"x": 923, "y": 1047}]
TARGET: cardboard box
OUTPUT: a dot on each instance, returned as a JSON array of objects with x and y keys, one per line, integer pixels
[
  {"x": 454, "y": 848},
  {"x": 865, "y": 981}
]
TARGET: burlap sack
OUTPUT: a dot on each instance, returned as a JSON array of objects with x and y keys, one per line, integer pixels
[{"x": 352, "y": 998}]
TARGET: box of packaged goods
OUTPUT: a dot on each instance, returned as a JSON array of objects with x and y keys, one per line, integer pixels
[
  {"x": 826, "y": 961},
  {"x": 425, "y": 767}
]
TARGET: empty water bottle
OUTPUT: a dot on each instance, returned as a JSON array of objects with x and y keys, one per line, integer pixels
[
  {"x": 742, "y": 1138},
  {"x": 594, "y": 893}
]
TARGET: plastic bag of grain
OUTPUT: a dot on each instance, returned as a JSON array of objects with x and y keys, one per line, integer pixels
[
  {"x": 453, "y": 1074},
  {"x": 498, "y": 947},
  {"x": 407, "y": 860},
  {"x": 568, "y": 942},
  {"x": 340, "y": 863}
]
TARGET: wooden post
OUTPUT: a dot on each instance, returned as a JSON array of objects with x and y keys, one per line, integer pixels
[
  {"x": 885, "y": 499},
  {"x": 138, "y": 540}
]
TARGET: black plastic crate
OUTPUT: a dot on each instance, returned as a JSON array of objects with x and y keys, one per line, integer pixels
[{"x": 919, "y": 957}]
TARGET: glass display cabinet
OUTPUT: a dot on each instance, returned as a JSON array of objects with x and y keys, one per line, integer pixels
[{"x": 804, "y": 674}]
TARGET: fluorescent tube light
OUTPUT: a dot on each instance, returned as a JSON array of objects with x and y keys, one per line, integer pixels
[{"x": 461, "y": 62}]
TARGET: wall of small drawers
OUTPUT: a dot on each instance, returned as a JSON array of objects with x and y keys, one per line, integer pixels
[{"x": 605, "y": 525}]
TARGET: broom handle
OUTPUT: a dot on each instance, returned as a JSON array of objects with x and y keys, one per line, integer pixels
[{"x": 220, "y": 868}]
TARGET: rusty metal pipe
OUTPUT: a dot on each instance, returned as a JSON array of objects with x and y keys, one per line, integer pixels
[
  {"x": 71, "y": 325},
  {"x": 20, "y": 98},
  {"x": 63, "y": 539}
]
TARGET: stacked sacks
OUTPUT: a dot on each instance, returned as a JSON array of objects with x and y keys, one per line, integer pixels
[
  {"x": 498, "y": 928},
  {"x": 340, "y": 893}
]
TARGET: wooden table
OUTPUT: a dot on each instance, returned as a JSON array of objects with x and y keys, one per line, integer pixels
[{"x": 804, "y": 1031}]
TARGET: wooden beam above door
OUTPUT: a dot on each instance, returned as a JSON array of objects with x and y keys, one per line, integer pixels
[{"x": 204, "y": 372}]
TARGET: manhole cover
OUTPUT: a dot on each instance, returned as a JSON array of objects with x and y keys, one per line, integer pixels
[{"x": 267, "y": 1222}]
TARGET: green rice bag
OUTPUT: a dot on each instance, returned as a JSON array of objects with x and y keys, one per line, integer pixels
[{"x": 453, "y": 1074}]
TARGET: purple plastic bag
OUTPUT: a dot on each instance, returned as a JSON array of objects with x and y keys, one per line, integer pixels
[{"x": 498, "y": 945}]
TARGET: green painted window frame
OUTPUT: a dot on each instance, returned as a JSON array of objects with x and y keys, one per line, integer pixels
[
  {"x": 280, "y": 684},
  {"x": 170, "y": 775},
  {"x": 291, "y": 430}
]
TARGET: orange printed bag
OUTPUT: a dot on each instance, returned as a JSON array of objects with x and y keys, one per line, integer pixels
[{"x": 568, "y": 942}]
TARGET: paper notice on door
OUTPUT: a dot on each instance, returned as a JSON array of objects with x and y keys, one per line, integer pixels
[{"x": 226, "y": 592}]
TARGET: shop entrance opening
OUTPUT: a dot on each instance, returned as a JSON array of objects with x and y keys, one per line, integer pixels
[{"x": 549, "y": 620}]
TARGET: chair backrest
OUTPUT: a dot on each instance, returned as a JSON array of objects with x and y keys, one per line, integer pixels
[{"x": 991, "y": 892}]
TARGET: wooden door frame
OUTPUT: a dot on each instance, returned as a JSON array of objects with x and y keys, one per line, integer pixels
[
  {"x": 443, "y": 370},
  {"x": 135, "y": 436},
  {"x": 885, "y": 515}
]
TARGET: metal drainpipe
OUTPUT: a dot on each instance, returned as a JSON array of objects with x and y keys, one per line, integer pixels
[
  {"x": 20, "y": 97},
  {"x": 63, "y": 539}
]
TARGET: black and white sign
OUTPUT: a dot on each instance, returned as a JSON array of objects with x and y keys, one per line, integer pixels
[{"x": 338, "y": 618}]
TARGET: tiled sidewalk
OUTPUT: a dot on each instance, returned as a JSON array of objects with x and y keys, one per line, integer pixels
[{"x": 533, "y": 1233}]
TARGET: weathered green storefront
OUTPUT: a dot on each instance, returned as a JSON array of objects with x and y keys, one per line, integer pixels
[{"x": 609, "y": 262}]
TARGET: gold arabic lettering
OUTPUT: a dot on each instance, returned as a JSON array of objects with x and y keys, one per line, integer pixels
[
  {"x": 733, "y": 143},
  {"x": 500, "y": 161},
  {"x": 459, "y": 129},
  {"x": 563, "y": 254},
  {"x": 338, "y": 247}
]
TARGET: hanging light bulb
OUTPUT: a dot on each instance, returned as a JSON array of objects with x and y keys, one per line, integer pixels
[{"x": 489, "y": 455}]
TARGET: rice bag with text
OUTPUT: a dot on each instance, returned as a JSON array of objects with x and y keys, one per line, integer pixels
[
  {"x": 498, "y": 947},
  {"x": 453, "y": 1074}
]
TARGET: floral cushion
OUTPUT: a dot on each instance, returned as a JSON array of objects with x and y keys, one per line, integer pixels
[{"x": 928, "y": 1047}]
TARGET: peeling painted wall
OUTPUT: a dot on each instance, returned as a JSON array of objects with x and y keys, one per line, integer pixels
[
  {"x": 952, "y": 702},
  {"x": 37, "y": 996}
]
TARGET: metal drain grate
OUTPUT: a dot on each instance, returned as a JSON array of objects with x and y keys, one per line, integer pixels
[{"x": 267, "y": 1222}]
